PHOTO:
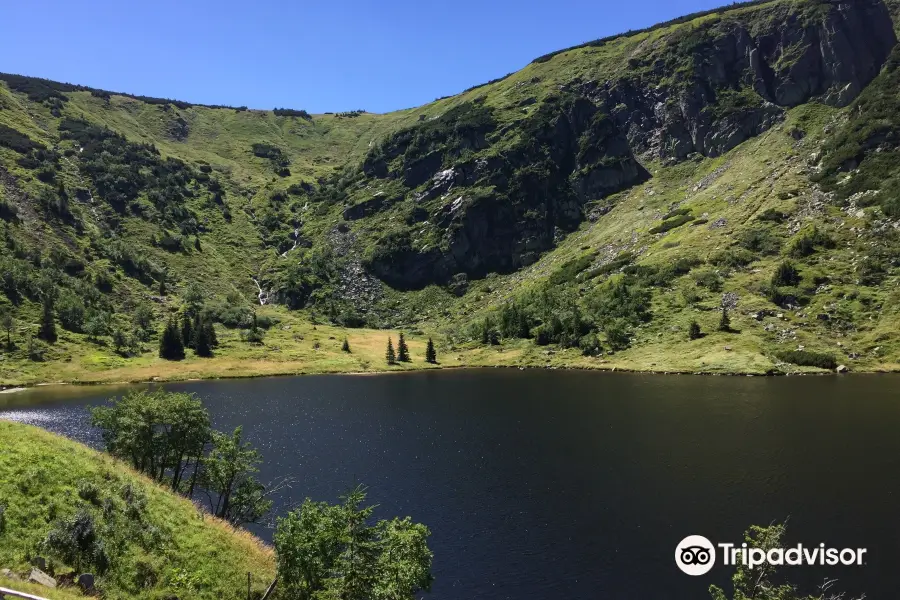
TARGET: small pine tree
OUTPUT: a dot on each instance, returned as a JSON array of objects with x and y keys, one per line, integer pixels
[
  {"x": 47, "y": 332},
  {"x": 187, "y": 330},
  {"x": 725, "y": 321},
  {"x": 694, "y": 332},
  {"x": 202, "y": 345},
  {"x": 345, "y": 347},
  {"x": 211, "y": 334},
  {"x": 389, "y": 355},
  {"x": 402, "y": 349},
  {"x": 8, "y": 322},
  {"x": 430, "y": 354},
  {"x": 171, "y": 345}
]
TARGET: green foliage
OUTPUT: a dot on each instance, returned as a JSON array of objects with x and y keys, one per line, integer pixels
[
  {"x": 402, "y": 349},
  {"x": 760, "y": 239},
  {"x": 332, "y": 551},
  {"x": 159, "y": 433},
  {"x": 171, "y": 344},
  {"x": 430, "y": 352},
  {"x": 228, "y": 473},
  {"x": 619, "y": 299},
  {"x": 47, "y": 331},
  {"x": 733, "y": 258},
  {"x": 672, "y": 223},
  {"x": 806, "y": 358},
  {"x": 618, "y": 334},
  {"x": 808, "y": 240},
  {"x": 390, "y": 356},
  {"x": 724, "y": 321},
  {"x": 786, "y": 274},
  {"x": 694, "y": 332},
  {"x": 571, "y": 269},
  {"x": 290, "y": 112},
  {"x": 76, "y": 542},
  {"x": 15, "y": 140},
  {"x": 70, "y": 310}
]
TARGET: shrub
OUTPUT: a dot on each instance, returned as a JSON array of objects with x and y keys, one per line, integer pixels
[
  {"x": 617, "y": 335},
  {"x": 77, "y": 543},
  {"x": 806, "y": 358},
  {"x": 16, "y": 140},
  {"x": 290, "y": 112},
  {"x": 761, "y": 240},
  {"x": 808, "y": 240},
  {"x": 672, "y": 223},
  {"x": 734, "y": 258},
  {"x": 786, "y": 274},
  {"x": 694, "y": 332}
]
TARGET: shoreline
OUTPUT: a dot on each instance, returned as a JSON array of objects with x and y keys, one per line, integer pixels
[{"x": 14, "y": 388}]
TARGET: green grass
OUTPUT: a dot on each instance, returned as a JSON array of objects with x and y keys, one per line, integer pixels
[
  {"x": 198, "y": 556},
  {"x": 756, "y": 206}
]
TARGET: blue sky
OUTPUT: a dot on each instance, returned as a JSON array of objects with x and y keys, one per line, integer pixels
[{"x": 377, "y": 55}]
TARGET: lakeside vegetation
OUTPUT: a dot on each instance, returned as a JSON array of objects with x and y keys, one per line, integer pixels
[{"x": 142, "y": 530}]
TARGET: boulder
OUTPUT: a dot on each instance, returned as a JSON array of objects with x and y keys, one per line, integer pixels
[
  {"x": 39, "y": 577},
  {"x": 9, "y": 575},
  {"x": 842, "y": 369}
]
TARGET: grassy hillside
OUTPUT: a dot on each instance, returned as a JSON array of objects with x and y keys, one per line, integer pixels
[
  {"x": 156, "y": 544},
  {"x": 583, "y": 211}
]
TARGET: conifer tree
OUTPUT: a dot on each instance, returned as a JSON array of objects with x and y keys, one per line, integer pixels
[
  {"x": 211, "y": 334},
  {"x": 187, "y": 331},
  {"x": 725, "y": 321},
  {"x": 694, "y": 332},
  {"x": 389, "y": 355},
  {"x": 345, "y": 347},
  {"x": 202, "y": 343},
  {"x": 402, "y": 349},
  {"x": 47, "y": 332},
  {"x": 171, "y": 345},
  {"x": 430, "y": 354}
]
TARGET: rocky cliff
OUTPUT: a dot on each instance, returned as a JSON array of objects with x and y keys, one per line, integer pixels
[{"x": 481, "y": 196}]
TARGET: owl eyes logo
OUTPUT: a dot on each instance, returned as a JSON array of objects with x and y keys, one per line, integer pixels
[{"x": 695, "y": 555}]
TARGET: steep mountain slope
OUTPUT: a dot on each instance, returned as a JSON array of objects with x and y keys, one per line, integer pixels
[{"x": 601, "y": 200}]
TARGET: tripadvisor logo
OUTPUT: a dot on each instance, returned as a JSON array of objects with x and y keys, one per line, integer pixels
[{"x": 696, "y": 555}]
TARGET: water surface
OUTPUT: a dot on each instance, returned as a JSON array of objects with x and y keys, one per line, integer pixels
[{"x": 550, "y": 484}]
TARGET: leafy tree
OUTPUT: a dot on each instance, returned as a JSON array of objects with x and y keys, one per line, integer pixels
[
  {"x": 8, "y": 322},
  {"x": 162, "y": 434},
  {"x": 98, "y": 325},
  {"x": 193, "y": 297},
  {"x": 70, "y": 310},
  {"x": 143, "y": 316},
  {"x": 694, "y": 332},
  {"x": 430, "y": 353},
  {"x": 234, "y": 493},
  {"x": 761, "y": 582},
  {"x": 402, "y": 349},
  {"x": 725, "y": 321},
  {"x": 333, "y": 551},
  {"x": 345, "y": 347},
  {"x": 171, "y": 345},
  {"x": 120, "y": 338},
  {"x": 390, "y": 356}
]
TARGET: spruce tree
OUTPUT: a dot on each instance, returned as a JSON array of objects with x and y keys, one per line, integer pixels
[
  {"x": 171, "y": 345},
  {"x": 345, "y": 347},
  {"x": 211, "y": 334},
  {"x": 725, "y": 321},
  {"x": 187, "y": 331},
  {"x": 430, "y": 354},
  {"x": 47, "y": 332},
  {"x": 402, "y": 349},
  {"x": 202, "y": 343},
  {"x": 389, "y": 355},
  {"x": 694, "y": 332}
]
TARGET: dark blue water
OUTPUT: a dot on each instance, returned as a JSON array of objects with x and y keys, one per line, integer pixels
[{"x": 549, "y": 484}]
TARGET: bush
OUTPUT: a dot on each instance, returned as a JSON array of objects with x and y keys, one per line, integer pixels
[
  {"x": 734, "y": 258},
  {"x": 786, "y": 274},
  {"x": 760, "y": 240},
  {"x": 808, "y": 240},
  {"x": 672, "y": 223},
  {"x": 76, "y": 542},
  {"x": 618, "y": 335},
  {"x": 806, "y": 358},
  {"x": 16, "y": 140},
  {"x": 290, "y": 112}
]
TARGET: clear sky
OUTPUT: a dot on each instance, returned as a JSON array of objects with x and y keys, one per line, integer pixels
[{"x": 376, "y": 55}]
